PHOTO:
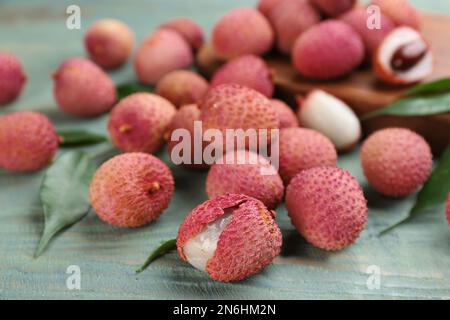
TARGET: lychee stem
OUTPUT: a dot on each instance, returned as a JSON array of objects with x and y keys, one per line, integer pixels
[
  {"x": 125, "y": 128},
  {"x": 154, "y": 187}
]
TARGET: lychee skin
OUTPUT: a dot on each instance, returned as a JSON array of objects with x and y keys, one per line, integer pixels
[
  {"x": 138, "y": 122},
  {"x": 82, "y": 89},
  {"x": 328, "y": 50},
  {"x": 189, "y": 29},
  {"x": 246, "y": 173},
  {"x": 109, "y": 43},
  {"x": 327, "y": 206},
  {"x": 286, "y": 115},
  {"x": 447, "y": 208},
  {"x": 12, "y": 78},
  {"x": 302, "y": 149},
  {"x": 207, "y": 61},
  {"x": 334, "y": 8},
  {"x": 28, "y": 141},
  {"x": 396, "y": 161},
  {"x": 247, "y": 70},
  {"x": 242, "y": 31},
  {"x": 249, "y": 242},
  {"x": 131, "y": 190},
  {"x": 402, "y": 12},
  {"x": 284, "y": 18},
  {"x": 182, "y": 87},
  {"x": 265, "y": 6},
  {"x": 165, "y": 50}
]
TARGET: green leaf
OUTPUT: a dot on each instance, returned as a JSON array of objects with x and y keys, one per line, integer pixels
[
  {"x": 71, "y": 138},
  {"x": 415, "y": 106},
  {"x": 433, "y": 192},
  {"x": 164, "y": 248},
  {"x": 430, "y": 87},
  {"x": 126, "y": 89},
  {"x": 65, "y": 194}
]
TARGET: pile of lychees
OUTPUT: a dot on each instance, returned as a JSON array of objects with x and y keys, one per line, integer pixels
[{"x": 234, "y": 234}]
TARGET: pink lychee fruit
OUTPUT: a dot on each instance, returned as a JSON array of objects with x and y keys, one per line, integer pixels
[
  {"x": 231, "y": 237},
  {"x": 302, "y": 149},
  {"x": 265, "y": 6},
  {"x": 189, "y": 29},
  {"x": 82, "y": 89},
  {"x": 28, "y": 141},
  {"x": 334, "y": 8},
  {"x": 165, "y": 50},
  {"x": 289, "y": 19},
  {"x": 182, "y": 87},
  {"x": 242, "y": 31},
  {"x": 327, "y": 207},
  {"x": 109, "y": 43},
  {"x": 286, "y": 115},
  {"x": 12, "y": 78},
  {"x": 138, "y": 122},
  {"x": 328, "y": 50},
  {"x": 402, "y": 12},
  {"x": 447, "y": 208},
  {"x": 248, "y": 70},
  {"x": 248, "y": 173},
  {"x": 131, "y": 190},
  {"x": 396, "y": 161}
]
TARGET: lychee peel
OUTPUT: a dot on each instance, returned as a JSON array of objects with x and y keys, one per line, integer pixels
[
  {"x": 131, "y": 190},
  {"x": 12, "y": 78},
  {"x": 189, "y": 29},
  {"x": 402, "y": 12},
  {"x": 249, "y": 237},
  {"x": 334, "y": 8},
  {"x": 327, "y": 206},
  {"x": 286, "y": 115}
]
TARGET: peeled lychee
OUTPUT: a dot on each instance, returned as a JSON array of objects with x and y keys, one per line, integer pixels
[
  {"x": 109, "y": 43},
  {"x": 83, "y": 89},
  {"x": 302, "y": 149},
  {"x": 231, "y": 237},
  {"x": 189, "y": 29},
  {"x": 334, "y": 8},
  {"x": 286, "y": 115},
  {"x": 242, "y": 31},
  {"x": 28, "y": 141},
  {"x": 396, "y": 161},
  {"x": 289, "y": 19},
  {"x": 330, "y": 116},
  {"x": 247, "y": 70},
  {"x": 327, "y": 206},
  {"x": 131, "y": 190},
  {"x": 12, "y": 78},
  {"x": 402, "y": 12},
  {"x": 138, "y": 122},
  {"x": 165, "y": 50},
  {"x": 182, "y": 87},
  {"x": 328, "y": 50},
  {"x": 248, "y": 173}
]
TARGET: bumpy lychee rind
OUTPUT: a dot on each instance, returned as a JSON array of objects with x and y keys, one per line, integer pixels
[
  {"x": 328, "y": 50},
  {"x": 249, "y": 242},
  {"x": 165, "y": 50},
  {"x": 245, "y": 173},
  {"x": 286, "y": 115},
  {"x": 189, "y": 29},
  {"x": 109, "y": 43},
  {"x": 12, "y": 78},
  {"x": 82, "y": 89},
  {"x": 131, "y": 190},
  {"x": 396, "y": 161},
  {"x": 334, "y": 8},
  {"x": 242, "y": 31},
  {"x": 327, "y": 206},
  {"x": 28, "y": 141},
  {"x": 138, "y": 122},
  {"x": 402, "y": 12},
  {"x": 182, "y": 87},
  {"x": 302, "y": 149},
  {"x": 247, "y": 70}
]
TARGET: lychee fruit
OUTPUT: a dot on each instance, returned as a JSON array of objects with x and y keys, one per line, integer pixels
[
  {"x": 242, "y": 31},
  {"x": 138, "y": 122},
  {"x": 109, "y": 43},
  {"x": 206, "y": 60},
  {"x": 302, "y": 149},
  {"x": 447, "y": 208},
  {"x": 189, "y": 29},
  {"x": 328, "y": 50},
  {"x": 286, "y": 115},
  {"x": 231, "y": 237},
  {"x": 265, "y": 6},
  {"x": 404, "y": 57},
  {"x": 332, "y": 117},
  {"x": 182, "y": 87},
  {"x": 82, "y": 89},
  {"x": 131, "y": 190},
  {"x": 28, "y": 141},
  {"x": 327, "y": 207},
  {"x": 12, "y": 78},
  {"x": 334, "y": 8},
  {"x": 289, "y": 19},
  {"x": 165, "y": 50},
  {"x": 402, "y": 12},
  {"x": 248, "y": 70},
  {"x": 248, "y": 173},
  {"x": 396, "y": 161}
]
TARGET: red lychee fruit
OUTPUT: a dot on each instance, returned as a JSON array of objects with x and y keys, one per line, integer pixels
[
  {"x": 334, "y": 8},
  {"x": 402, "y": 12},
  {"x": 189, "y": 29},
  {"x": 286, "y": 115},
  {"x": 12, "y": 78}
]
